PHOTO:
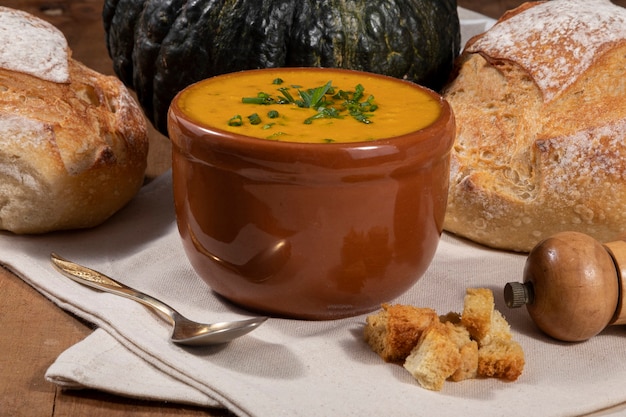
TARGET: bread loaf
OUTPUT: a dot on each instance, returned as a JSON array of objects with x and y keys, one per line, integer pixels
[
  {"x": 73, "y": 143},
  {"x": 540, "y": 105}
]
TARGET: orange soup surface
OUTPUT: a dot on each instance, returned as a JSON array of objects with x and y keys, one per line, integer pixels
[{"x": 298, "y": 105}]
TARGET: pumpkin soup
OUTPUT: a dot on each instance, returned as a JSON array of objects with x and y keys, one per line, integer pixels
[{"x": 297, "y": 105}]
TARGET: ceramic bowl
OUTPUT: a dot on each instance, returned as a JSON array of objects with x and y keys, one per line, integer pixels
[{"x": 310, "y": 230}]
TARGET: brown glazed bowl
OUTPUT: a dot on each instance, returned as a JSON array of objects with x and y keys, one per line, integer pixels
[{"x": 307, "y": 230}]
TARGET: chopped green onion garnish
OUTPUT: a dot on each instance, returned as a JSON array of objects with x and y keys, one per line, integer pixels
[
  {"x": 254, "y": 119},
  {"x": 235, "y": 121},
  {"x": 261, "y": 98},
  {"x": 324, "y": 113},
  {"x": 276, "y": 135},
  {"x": 323, "y": 99},
  {"x": 314, "y": 97},
  {"x": 358, "y": 93},
  {"x": 288, "y": 97}
]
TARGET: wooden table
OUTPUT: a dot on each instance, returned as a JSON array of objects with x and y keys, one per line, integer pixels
[{"x": 33, "y": 330}]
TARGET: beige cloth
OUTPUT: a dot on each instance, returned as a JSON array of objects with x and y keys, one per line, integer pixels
[{"x": 291, "y": 367}]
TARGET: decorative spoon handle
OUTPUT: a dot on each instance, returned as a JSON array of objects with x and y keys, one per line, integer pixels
[{"x": 101, "y": 282}]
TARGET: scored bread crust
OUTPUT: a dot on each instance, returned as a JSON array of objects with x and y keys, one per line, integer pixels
[
  {"x": 539, "y": 102},
  {"x": 72, "y": 152}
]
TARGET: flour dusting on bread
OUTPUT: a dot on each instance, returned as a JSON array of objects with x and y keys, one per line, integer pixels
[
  {"x": 581, "y": 35},
  {"x": 32, "y": 46},
  {"x": 601, "y": 142},
  {"x": 24, "y": 131}
]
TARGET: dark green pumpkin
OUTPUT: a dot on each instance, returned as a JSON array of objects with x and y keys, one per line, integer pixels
[{"x": 159, "y": 47}]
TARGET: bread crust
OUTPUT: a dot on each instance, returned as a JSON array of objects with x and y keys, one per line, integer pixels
[
  {"x": 71, "y": 153},
  {"x": 541, "y": 130}
]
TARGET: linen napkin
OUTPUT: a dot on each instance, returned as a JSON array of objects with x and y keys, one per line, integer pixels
[{"x": 291, "y": 367}]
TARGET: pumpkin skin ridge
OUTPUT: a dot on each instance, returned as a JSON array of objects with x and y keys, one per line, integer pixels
[
  {"x": 159, "y": 47},
  {"x": 151, "y": 31},
  {"x": 119, "y": 20}
]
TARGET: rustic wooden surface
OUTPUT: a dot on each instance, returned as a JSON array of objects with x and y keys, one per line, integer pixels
[{"x": 33, "y": 330}]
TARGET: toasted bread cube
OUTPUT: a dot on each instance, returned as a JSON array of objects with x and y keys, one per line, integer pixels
[
  {"x": 499, "y": 329},
  {"x": 435, "y": 358},
  {"x": 395, "y": 330},
  {"x": 501, "y": 359},
  {"x": 477, "y": 311},
  {"x": 468, "y": 350}
]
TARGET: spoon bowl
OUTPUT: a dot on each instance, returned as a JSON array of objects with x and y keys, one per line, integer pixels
[{"x": 185, "y": 331}]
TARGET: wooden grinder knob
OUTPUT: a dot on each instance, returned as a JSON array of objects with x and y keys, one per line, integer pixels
[{"x": 572, "y": 286}]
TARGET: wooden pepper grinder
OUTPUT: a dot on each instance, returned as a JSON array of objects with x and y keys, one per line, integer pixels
[{"x": 573, "y": 286}]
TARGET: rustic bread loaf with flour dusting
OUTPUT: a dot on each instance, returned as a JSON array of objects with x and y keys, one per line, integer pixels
[
  {"x": 73, "y": 143},
  {"x": 540, "y": 104}
]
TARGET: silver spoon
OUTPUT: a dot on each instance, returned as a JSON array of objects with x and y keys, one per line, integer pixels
[{"x": 185, "y": 332}]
